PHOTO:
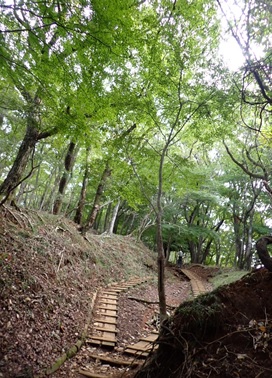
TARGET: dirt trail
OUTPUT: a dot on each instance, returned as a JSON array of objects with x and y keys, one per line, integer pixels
[{"x": 137, "y": 325}]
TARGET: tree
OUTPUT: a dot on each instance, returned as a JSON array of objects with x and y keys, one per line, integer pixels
[
  {"x": 68, "y": 167},
  {"x": 46, "y": 50}
]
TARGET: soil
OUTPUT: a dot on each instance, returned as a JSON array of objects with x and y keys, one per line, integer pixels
[
  {"x": 226, "y": 333},
  {"x": 49, "y": 274}
]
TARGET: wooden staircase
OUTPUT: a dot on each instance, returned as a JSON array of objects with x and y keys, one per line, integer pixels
[{"x": 104, "y": 329}]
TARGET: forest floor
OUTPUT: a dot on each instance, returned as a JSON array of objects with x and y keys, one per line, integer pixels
[{"x": 49, "y": 274}]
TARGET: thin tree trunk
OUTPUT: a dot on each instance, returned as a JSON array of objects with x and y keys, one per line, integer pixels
[
  {"x": 114, "y": 216},
  {"x": 107, "y": 217},
  {"x": 98, "y": 221},
  {"x": 209, "y": 243},
  {"x": 83, "y": 192},
  {"x": 22, "y": 190},
  {"x": 96, "y": 205},
  {"x": 237, "y": 235},
  {"x": 167, "y": 249},
  {"x": 68, "y": 167},
  {"x": 249, "y": 250},
  {"x": 160, "y": 250},
  {"x": 130, "y": 224}
]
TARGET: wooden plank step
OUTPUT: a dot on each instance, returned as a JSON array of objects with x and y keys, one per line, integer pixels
[
  {"x": 103, "y": 333},
  {"x": 150, "y": 338},
  {"x": 107, "y": 321},
  {"x": 141, "y": 346},
  {"x": 102, "y": 315},
  {"x": 107, "y": 306},
  {"x": 108, "y": 297},
  {"x": 108, "y": 294},
  {"x": 115, "y": 361},
  {"x": 104, "y": 343},
  {"x": 104, "y": 311},
  {"x": 108, "y": 301},
  {"x": 105, "y": 329},
  {"x": 102, "y": 338},
  {"x": 136, "y": 352},
  {"x": 105, "y": 326},
  {"x": 87, "y": 373},
  {"x": 113, "y": 291}
]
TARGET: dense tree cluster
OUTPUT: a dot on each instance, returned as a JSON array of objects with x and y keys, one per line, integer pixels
[{"x": 123, "y": 116}]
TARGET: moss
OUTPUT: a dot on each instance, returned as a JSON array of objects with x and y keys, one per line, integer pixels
[{"x": 200, "y": 317}]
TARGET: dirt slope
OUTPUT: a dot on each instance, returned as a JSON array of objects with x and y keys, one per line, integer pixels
[
  {"x": 48, "y": 275},
  {"x": 226, "y": 333}
]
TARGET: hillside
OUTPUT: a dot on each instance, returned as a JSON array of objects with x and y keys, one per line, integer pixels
[
  {"x": 48, "y": 276},
  {"x": 226, "y": 333}
]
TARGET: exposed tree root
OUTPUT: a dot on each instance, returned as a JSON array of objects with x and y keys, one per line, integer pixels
[{"x": 261, "y": 246}]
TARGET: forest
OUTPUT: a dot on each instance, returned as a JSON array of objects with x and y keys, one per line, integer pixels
[{"x": 131, "y": 117}]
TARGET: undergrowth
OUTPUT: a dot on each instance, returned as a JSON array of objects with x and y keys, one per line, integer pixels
[{"x": 227, "y": 276}]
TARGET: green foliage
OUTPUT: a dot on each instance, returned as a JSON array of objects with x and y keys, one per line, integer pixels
[{"x": 140, "y": 84}]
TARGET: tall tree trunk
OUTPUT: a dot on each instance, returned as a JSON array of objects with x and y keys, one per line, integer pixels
[
  {"x": 83, "y": 192},
  {"x": 249, "y": 250},
  {"x": 14, "y": 177},
  {"x": 26, "y": 149},
  {"x": 237, "y": 236},
  {"x": 207, "y": 249},
  {"x": 167, "y": 248},
  {"x": 114, "y": 216},
  {"x": 107, "y": 217},
  {"x": 68, "y": 167},
  {"x": 22, "y": 189},
  {"x": 96, "y": 205},
  {"x": 192, "y": 250},
  {"x": 98, "y": 221},
  {"x": 129, "y": 224},
  {"x": 160, "y": 250}
]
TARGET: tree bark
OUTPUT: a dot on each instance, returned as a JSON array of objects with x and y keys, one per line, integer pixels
[
  {"x": 82, "y": 198},
  {"x": 96, "y": 205},
  {"x": 107, "y": 217},
  {"x": 15, "y": 174},
  {"x": 160, "y": 250},
  {"x": 114, "y": 216},
  {"x": 26, "y": 149},
  {"x": 68, "y": 167}
]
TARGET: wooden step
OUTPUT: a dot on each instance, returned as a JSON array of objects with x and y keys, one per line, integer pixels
[
  {"x": 112, "y": 291},
  {"x": 105, "y": 330},
  {"x": 136, "y": 352},
  {"x": 102, "y": 338},
  {"x": 106, "y": 312},
  {"x": 108, "y": 301},
  {"x": 102, "y": 343},
  {"x": 107, "y": 306},
  {"x": 141, "y": 346},
  {"x": 108, "y": 296},
  {"x": 115, "y": 361},
  {"x": 150, "y": 338},
  {"x": 107, "y": 321},
  {"x": 90, "y": 374}
]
